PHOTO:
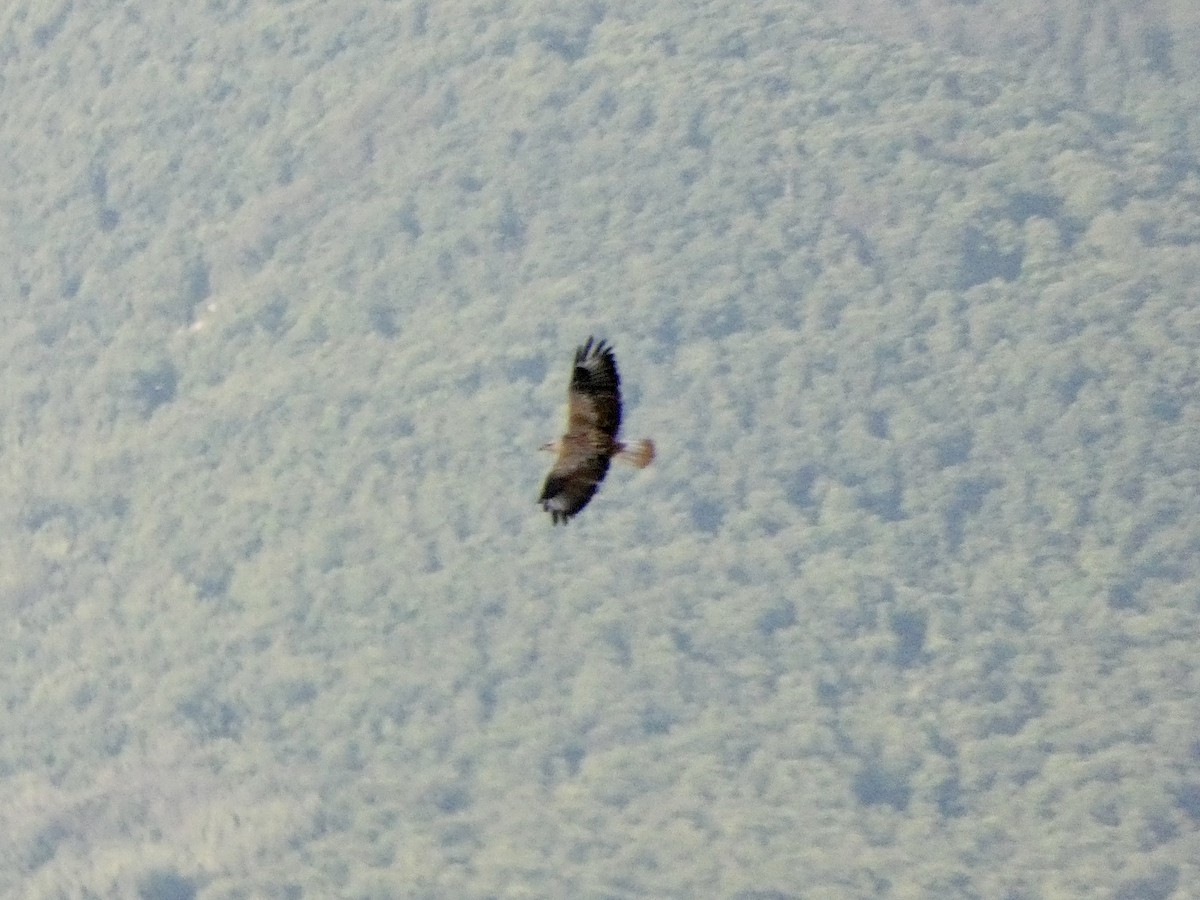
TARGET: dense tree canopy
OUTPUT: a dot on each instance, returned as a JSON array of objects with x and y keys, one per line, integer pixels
[{"x": 906, "y": 606}]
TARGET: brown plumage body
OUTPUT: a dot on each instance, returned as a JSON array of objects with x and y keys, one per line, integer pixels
[{"x": 591, "y": 440}]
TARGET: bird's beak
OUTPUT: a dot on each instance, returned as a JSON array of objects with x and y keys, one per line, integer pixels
[{"x": 549, "y": 446}]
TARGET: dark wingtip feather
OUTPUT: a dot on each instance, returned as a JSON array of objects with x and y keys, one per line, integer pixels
[
  {"x": 582, "y": 351},
  {"x": 595, "y": 378},
  {"x": 592, "y": 347}
]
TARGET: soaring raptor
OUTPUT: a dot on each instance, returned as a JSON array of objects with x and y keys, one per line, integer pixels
[{"x": 593, "y": 420}]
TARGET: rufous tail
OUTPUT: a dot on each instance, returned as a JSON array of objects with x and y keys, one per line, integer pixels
[{"x": 639, "y": 453}]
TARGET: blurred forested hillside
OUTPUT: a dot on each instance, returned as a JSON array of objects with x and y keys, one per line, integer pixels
[
  {"x": 907, "y": 606},
  {"x": 1105, "y": 53}
]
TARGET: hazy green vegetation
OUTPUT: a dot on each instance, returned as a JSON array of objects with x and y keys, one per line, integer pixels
[{"x": 906, "y": 608}]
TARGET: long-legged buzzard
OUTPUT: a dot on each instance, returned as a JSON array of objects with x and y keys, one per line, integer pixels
[{"x": 593, "y": 420}]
